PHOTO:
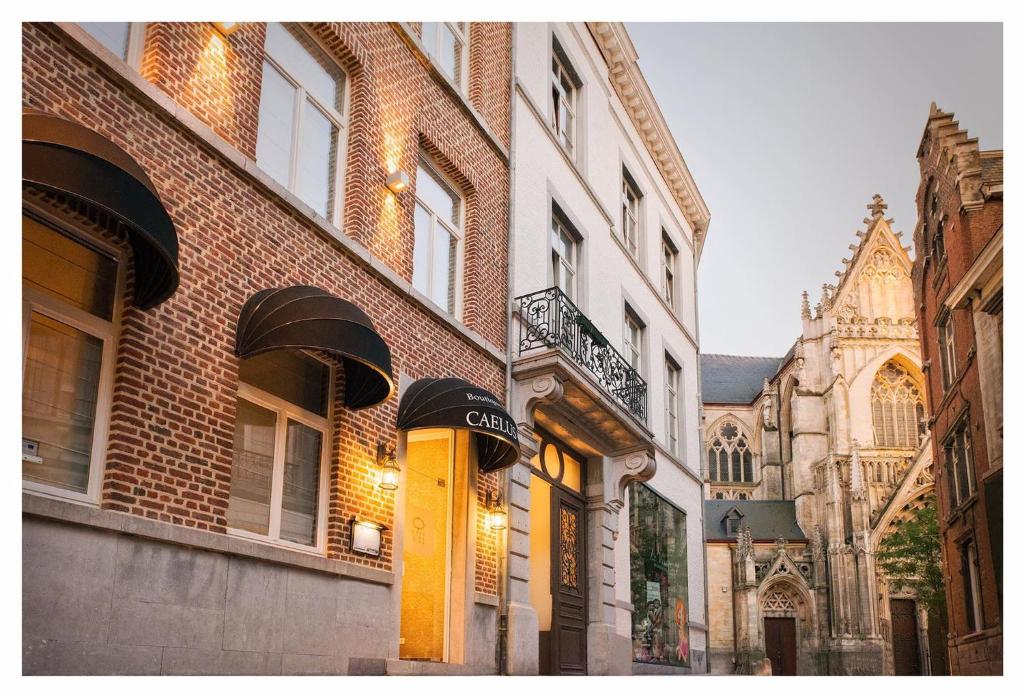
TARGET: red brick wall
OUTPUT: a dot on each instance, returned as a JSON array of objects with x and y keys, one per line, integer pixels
[
  {"x": 967, "y": 230},
  {"x": 172, "y": 421}
]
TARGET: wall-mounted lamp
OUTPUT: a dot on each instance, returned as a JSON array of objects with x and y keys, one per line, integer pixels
[
  {"x": 364, "y": 537},
  {"x": 398, "y": 181},
  {"x": 388, "y": 464},
  {"x": 226, "y": 28},
  {"x": 497, "y": 517}
]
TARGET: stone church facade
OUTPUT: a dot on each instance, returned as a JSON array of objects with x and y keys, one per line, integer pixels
[{"x": 810, "y": 460}]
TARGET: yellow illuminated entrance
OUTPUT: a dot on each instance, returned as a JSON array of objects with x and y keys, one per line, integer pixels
[{"x": 426, "y": 558}]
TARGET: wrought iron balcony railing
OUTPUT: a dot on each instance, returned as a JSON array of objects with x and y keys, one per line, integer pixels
[{"x": 549, "y": 318}]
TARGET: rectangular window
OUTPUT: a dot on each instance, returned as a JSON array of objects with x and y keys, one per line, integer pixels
[
  {"x": 972, "y": 586},
  {"x": 947, "y": 350},
  {"x": 564, "y": 90},
  {"x": 633, "y": 337},
  {"x": 959, "y": 466},
  {"x": 437, "y": 249},
  {"x": 123, "y": 39},
  {"x": 69, "y": 293},
  {"x": 277, "y": 475},
  {"x": 301, "y": 118},
  {"x": 564, "y": 257},
  {"x": 630, "y": 215},
  {"x": 659, "y": 587},
  {"x": 446, "y": 43},
  {"x": 668, "y": 270},
  {"x": 672, "y": 377}
]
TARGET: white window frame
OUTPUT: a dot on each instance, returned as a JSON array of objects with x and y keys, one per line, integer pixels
[
  {"x": 974, "y": 580},
  {"x": 673, "y": 377},
  {"x": 458, "y": 233},
  {"x": 461, "y": 35},
  {"x": 34, "y": 300},
  {"x": 339, "y": 120},
  {"x": 631, "y": 216},
  {"x": 947, "y": 349},
  {"x": 960, "y": 433},
  {"x": 134, "y": 47},
  {"x": 630, "y": 321},
  {"x": 669, "y": 257},
  {"x": 284, "y": 412},
  {"x": 559, "y": 264},
  {"x": 558, "y": 71}
]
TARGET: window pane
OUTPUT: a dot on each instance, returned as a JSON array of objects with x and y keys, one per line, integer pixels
[
  {"x": 290, "y": 375},
  {"x": 252, "y": 469},
  {"x": 277, "y": 120},
  {"x": 113, "y": 35},
  {"x": 429, "y": 37},
  {"x": 67, "y": 270},
  {"x": 421, "y": 251},
  {"x": 62, "y": 375},
  {"x": 451, "y": 54},
  {"x": 318, "y": 153},
  {"x": 301, "y": 492},
  {"x": 443, "y": 292},
  {"x": 307, "y": 64},
  {"x": 437, "y": 196}
]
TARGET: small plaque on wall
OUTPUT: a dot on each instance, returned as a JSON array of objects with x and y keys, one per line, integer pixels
[{"x": 364, "y": 537}]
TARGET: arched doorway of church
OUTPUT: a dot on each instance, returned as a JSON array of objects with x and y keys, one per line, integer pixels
[
  {"x": 781, "y": 619},
  {"x": 906, "y": 650}
]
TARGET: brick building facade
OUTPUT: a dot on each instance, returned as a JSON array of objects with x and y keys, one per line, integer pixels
[
  {"x": 958, "y": 281},
  {"x": 141, "y": 567}
]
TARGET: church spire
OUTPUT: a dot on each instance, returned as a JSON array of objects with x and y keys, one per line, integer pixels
[{"x": 877, "y": 206}]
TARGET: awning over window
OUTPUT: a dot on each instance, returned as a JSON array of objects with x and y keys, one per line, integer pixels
[
  {"x": 66, "y": 158},
  {"x": 307, "y": 317},
  {"x": 456, "y": 404}
]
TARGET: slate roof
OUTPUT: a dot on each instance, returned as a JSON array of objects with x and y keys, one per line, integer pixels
[
  {"x": 734, "y": 380},
  {"x": 768, "y": 519},
  {"x": 992, "y": 166}
]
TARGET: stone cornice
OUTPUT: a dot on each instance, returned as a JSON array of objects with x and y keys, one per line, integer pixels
[{"x": 638, "y": 101}]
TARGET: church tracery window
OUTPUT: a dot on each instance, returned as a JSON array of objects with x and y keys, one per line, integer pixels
[
  {"x": 897, "y": 408},
  {"x": 729, "y": 456}
]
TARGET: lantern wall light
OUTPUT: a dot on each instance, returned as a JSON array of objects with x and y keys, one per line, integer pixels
[
  {"x": 388, "y": 464},
  {"x": 497, "y": 517}
]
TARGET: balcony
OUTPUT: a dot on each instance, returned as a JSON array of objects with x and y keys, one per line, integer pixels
[{"x": 548, "y": 319}]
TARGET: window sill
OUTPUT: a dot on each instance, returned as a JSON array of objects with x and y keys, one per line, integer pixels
[{"x": 33, "y": 505}]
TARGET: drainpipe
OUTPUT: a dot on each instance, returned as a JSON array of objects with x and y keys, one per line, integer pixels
[
  {"x": 702, "y": 455},
  {"x": 501, "y": 650}
]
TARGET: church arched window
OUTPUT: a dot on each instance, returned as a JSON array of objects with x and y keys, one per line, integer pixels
[
  {"x": 729, "y": 456},
  {"x": 897, "y": 408}
]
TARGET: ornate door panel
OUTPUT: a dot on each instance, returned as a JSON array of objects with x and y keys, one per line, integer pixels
[
  {"x": 906, "y": 653},
  {"x": 780, "y": 645},
  {"x": 568, "y": 585}
]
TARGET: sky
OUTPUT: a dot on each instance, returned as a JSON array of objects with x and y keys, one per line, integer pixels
[{"x": 788, "y": 130}]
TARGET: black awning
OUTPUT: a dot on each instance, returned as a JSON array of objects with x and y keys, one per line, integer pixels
[
  {"x": 67, "y": 158},
  {"x": 307, "y": 317},
  {"x": 457, "y": 404}
]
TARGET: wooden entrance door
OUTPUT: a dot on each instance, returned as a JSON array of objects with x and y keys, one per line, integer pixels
[
  {"x": 568, "y": 585},
  {"x": 780, "y": 645},
  {"x": 906, "y": 652}
]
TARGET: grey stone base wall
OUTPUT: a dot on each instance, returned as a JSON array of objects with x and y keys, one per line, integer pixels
[{"x": 96, "y": 601}]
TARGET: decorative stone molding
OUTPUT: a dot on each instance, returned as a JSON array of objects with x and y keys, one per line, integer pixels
[{"x": 636, "y": 466}]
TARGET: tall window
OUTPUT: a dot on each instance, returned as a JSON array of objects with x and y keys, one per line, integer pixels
[
  {"x": 564, "y": 257},
  {"x": 934, "y": 224},
  {"x": 668, "y": 270},
  {"x": 947, "y": 349},
  {"x": 438, "y": 243},
  {"x": 69, "y": 293},
  {"x": 124, "y": 39},
  {"x": 446, "y": 43},
  {"x": 897, "y": 408},
  {"x": 302, "y": 124},
  {"x": 563, "y": 101},
  {"x": 659, "y": 585},
  {"x": 729, "y": 455},
  {"x": 672, "y": 377},
  {"x": 972, "y": 586},
  {"x": 279, "y": 468},
  {"x": 959, "y": 465},
  {"x": 632, "y": 339},
  {"x": 630, "y": 215}
]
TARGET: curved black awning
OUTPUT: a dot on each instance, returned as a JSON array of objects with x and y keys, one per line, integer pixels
[
  {"x": 458, "y": 404},
  {"x": 307, "y": 317},
  {"x": 67, "y": 158}
]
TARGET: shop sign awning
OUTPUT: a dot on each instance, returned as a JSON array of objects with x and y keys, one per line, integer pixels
[
  {"x": 457, "y": 404},
  {"x": 68, "y": 159},
  {"x": 307, "y": 317}
]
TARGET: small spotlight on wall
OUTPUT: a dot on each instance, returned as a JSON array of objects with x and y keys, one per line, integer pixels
[
  {"x": 226, "y": 28},
  {"x": 388, "y": 464},
  {"x": 497, "y": 517},
  {"x": 398, "y": 181}
]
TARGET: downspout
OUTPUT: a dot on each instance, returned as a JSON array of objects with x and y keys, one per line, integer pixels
[
  {"x": 501, "y": 650},
  {"x": 702, "y": 456}
]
